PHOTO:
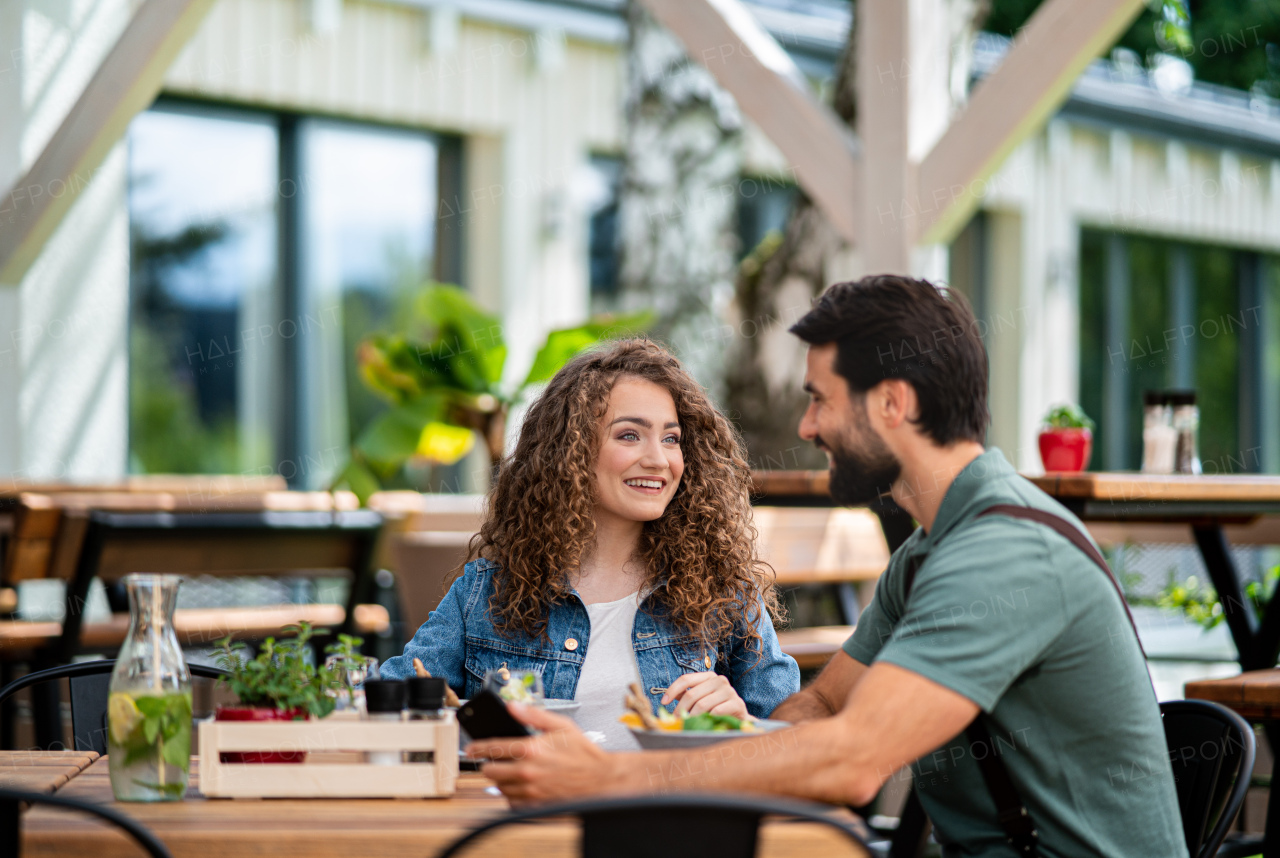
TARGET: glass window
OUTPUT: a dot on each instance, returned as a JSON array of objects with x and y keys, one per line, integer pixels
[
  {"x": 764, "y": 206},
  {"x": 369, "y": 200},
  {"x": 202, "y": 217},
  {"x": 264, "y": 249},
  {"x": 1156, "y": 314},
  {"x": 601, "y": 186}
]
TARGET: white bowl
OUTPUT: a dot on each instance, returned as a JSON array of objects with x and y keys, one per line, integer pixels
[{"x": 674, "y": 740}]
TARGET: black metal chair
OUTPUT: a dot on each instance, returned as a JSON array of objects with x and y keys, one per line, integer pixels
[
  {"x": 1212, "y": 750},
  {"x": 11, "y": 821},
  {"x": 690, "y": 825},
  {"x": 89, "y": 681}
]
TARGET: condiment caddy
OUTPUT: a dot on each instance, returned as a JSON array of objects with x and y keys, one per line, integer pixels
[{"x": 392, "y": 753}]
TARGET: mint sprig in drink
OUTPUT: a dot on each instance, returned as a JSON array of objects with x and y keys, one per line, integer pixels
[{"x": 150, "y": 734}]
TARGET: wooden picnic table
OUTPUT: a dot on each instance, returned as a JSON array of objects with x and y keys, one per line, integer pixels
[{"x": 334, "y": 828}]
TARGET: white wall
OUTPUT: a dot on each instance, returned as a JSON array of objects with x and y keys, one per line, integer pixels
[{"x": 63, "y": 329}]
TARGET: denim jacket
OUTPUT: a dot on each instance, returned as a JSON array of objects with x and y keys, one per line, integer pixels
[{"x": 459, "y": 642}]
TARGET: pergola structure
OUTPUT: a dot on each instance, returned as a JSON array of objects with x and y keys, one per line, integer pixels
[{"x": 910, "y": 179}]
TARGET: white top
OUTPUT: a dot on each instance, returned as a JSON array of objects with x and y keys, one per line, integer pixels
[{"x": 609, "y": 667}]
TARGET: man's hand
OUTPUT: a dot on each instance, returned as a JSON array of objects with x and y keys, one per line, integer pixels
[
  {"x": 826, "y": 695},
  {"x": 558, "y": 763},
  {"x": 696, "y": 693}
]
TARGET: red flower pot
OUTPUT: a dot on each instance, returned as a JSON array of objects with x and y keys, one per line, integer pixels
[
  {"x": 261, "y": 713},
  {"x": 1065, "y": 449}
]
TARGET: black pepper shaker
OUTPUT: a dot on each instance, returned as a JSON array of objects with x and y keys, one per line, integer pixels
[{"x": 426, "y": 703}]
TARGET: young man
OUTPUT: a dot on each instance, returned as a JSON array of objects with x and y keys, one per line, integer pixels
[{"x": 990, "y": 637}]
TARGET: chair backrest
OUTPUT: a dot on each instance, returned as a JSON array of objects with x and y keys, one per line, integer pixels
[
  {"x": 11, "y": 821},
  {"x": 89, "y": 681},
  {"x": 1212, "y": 750},
  {"x": 693, "y": 825}
]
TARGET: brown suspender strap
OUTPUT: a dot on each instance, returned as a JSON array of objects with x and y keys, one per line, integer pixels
[
  {"x": 1011, "y": 812},
  {"x": 1073, "y": 535}
]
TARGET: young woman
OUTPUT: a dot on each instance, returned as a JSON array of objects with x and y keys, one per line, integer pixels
[{"x": 617, "y": 548}]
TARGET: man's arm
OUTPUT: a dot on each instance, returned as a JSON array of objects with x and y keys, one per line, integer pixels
[
  {"x": 826, "y": 695},
  {"x": 893, "y": 716}
]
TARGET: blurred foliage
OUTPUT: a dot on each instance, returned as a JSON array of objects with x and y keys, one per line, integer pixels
[
  {"x": 167, "y": 435},
  {"x": 441, "y": 375},
  {"x": 167, "y": 432},
  {"x": 1234, "y": 43},
  {"x": 1196, "y": 601}
]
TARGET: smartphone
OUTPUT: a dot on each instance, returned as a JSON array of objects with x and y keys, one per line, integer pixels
[{"x": 485, "y": 716}]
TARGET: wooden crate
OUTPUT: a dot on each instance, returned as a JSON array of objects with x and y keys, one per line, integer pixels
[{"x": 335, "y": 766}]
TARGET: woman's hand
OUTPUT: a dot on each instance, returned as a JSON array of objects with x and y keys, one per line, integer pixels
[{"x": 705, "y": 692}]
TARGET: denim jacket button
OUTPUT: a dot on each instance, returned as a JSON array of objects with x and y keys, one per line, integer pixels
[{"x": 571, "y": 644}]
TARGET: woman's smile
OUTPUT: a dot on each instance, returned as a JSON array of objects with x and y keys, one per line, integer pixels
[{"x": 647, "y": 485}]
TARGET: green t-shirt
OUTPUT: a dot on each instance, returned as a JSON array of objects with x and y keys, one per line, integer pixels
[{"x": 1014, "y": 617}]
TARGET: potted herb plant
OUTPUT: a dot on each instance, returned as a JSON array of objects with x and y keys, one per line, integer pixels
[
  {"x": 279, "y": 684},
  {"x": 1066, "y": 439}
]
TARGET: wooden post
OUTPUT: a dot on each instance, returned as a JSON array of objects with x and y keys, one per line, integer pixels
[
  {"x": 125, "y": 83},
  {"x": 883, "y": 78}
]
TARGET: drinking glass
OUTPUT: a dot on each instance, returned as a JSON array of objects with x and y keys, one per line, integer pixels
[
  {"x": 516, "y": 686},
  {"x": 356, "y": 669}
]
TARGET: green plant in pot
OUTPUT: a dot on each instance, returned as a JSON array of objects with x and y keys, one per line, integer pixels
[
  {"x": 280, "y": 684},
  {"x": 1066, "y": 439}
]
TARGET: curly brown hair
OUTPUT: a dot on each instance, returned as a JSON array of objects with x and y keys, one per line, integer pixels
[{"x": 539, "y": 518}]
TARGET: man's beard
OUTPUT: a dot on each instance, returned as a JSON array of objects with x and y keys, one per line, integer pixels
[{"x": 859, "y": 477}]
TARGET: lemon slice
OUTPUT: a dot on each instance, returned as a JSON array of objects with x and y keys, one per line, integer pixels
[{"x": 122, "y": 716}]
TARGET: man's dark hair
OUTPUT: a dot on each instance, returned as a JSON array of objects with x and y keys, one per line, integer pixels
[{"x": 887, "y": 326}]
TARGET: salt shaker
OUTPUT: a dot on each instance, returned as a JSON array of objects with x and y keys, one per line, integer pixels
[{"x": 1159, "y": 438}]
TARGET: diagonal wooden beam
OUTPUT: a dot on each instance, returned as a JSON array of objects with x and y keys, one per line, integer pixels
[
  {"x": 1010, "y": 105},
  {"x": 124, "y": 84},
  {"x": 725, "y": 37}
]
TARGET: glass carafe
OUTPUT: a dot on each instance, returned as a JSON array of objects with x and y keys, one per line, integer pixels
[{"x": 149, "y": 708}]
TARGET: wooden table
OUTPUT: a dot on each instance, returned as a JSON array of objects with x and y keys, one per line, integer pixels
[
  {"x": 320, "y": 828},
  {"x": 42, "y": 771},
  {"x": 1255, "y": 695}
]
